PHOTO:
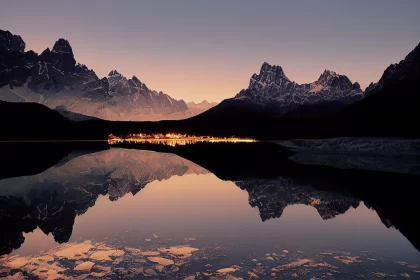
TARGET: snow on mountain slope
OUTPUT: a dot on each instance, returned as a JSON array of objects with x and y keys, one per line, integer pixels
[
  {"x": 271, "y": 86},
  {"x": 54, "y": 79}
]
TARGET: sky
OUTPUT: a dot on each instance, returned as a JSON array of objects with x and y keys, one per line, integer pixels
[{"x": 202, "y": 49}]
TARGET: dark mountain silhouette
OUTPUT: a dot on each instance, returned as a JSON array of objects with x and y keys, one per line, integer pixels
[
  {"x": 390, "y": 106},
  {"x": 32, "y": 121},
  {"x": 272, "y": 196}
]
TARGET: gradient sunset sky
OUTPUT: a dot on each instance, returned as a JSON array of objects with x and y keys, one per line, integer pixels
[{"x": 202, "y": 49}]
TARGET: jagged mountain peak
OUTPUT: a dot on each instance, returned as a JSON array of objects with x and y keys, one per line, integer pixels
[
  {"x": 270, "y": 76},
  {"x": 333, "y": 79},
  {"x": 327, "y": 75},
  {"x": 118, "y": 80},
  {"x": 114, "y": 73},
  {"x": 274, "y": 71},
  {"x": 272, "y": 88},
  {"x": 356, "y": 86},
  {"x": 45, "y": 52},
  {"x": 132, "y": 94},
  {"x": 82, "y": 66},
  {"x": 330, "y": 78},
  {"x": 54, "y": 79},
  {"x": 61, "y": 57},
  {"x": 8, "y": 41},
  {"x": 62, "y": 46},
  {"x": 136, "y": 80},
  {"x": 329, "y": 72}
]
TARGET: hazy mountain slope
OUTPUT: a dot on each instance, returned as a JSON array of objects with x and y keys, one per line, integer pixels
[
  {"x": 203, "y": 105},
  {"x": 54, "y": 79}
]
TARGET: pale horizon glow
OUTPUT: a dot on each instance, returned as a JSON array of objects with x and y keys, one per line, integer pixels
[{"x": 208, "y": 50}]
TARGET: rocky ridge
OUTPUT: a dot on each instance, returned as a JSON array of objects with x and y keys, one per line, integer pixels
[
  {"x": 272, "y": 87},
  {"x": 54, "y": 78}
]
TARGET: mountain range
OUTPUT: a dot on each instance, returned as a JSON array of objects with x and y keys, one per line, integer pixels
[
  {"x": 271, "y": 87},
  {"x": 330, "y": 107},
  {"x": 54, "y": 79},
  {"x": 272, "y": 107}
]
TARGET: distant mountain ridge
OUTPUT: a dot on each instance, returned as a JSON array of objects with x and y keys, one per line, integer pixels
[
  {"x": 204, "y": 105},
  {"x": 54, "y": 79}
]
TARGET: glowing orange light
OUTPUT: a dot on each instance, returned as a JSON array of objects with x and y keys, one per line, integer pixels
[{"x": 173, "y": 139}]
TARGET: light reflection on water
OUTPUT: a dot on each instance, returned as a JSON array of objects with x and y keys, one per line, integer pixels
[
  {"x": 174, "y": 139},
  {"x": 175, "y": 202}
]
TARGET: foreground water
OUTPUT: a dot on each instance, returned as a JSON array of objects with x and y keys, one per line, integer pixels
[{"x": 140, "y": 214}]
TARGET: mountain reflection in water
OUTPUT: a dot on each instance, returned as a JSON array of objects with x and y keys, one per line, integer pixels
[{"x": 136, "y": 204}]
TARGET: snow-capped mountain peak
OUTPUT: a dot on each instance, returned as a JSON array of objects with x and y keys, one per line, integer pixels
[
  {"x": 271, "y": 86},
  {"x": 119, "y": 84},
  {"x": 114, "y": 73},
  {"x": 332, "y": 79},
  {"x": 55, "y": 79},
  {"x": 272, "y": 70},
  {"x": 327, "y": 76},
  {"x": 269, "y": 75}
]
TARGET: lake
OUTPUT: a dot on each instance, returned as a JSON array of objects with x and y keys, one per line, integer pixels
[{"x": 124, "y": 213}]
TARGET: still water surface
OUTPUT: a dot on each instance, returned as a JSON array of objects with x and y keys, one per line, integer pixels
[{"x": 141, "y": 214}]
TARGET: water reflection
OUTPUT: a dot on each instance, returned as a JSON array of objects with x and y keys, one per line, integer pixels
[
  {"x": 51, "y": 200},
  {"x": 173, "y": 139},
  {"x": 120, "y": 210},
  {"x": 273, "y": 196}
]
